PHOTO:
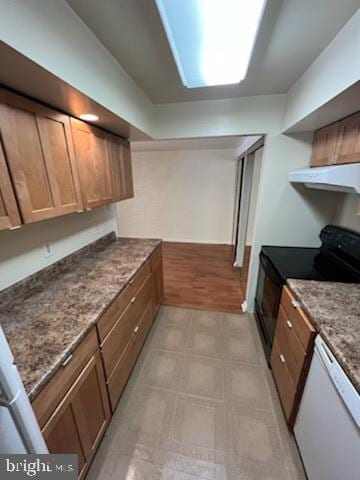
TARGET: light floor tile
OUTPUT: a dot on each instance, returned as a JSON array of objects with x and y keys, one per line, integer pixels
[
  {"x": 242, "y": 349},
  {"x": 198, "y": 422},
  {"x": 247, "y": 385},
  {"x": 171, "y": 337},
  {"x": 162, "y": 369},
  {"x": 205, "y": 407},
  {"x": 202, "y": 341},
  {"x": 203, "y": 377},
  {"x": 207, "y": 319},
  {"x": 238, "y": 324}
]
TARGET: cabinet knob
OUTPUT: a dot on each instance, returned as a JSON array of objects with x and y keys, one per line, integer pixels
[
  {"x": 67, "y": 360},
  {"x": 295, "y": 304},
  {"x": 136, "y": 329},
  {"x": 133, "y": 300},
  {"x": 282, "y": 358},
  {"x": 289, "y": 324}
]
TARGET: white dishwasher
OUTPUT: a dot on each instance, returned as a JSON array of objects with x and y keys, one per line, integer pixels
[{"x": 327, "y": 427}]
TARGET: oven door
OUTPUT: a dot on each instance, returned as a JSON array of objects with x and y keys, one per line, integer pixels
[{"x": 267, "y": 302}]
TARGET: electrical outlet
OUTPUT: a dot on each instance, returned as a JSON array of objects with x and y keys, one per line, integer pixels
[{"x": 48, "y": 249}]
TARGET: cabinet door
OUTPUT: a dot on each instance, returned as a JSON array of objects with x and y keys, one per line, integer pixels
[
  {"x": 80, "y": 420},
  {"x": 9, "y": 214},
  {"x": 116, "y": 155},
  {"x": 128, "y": 184},
  {"x": 93, "y": 162},
  {"x": 158, "y": 286},
  {"x": 348, "y": 145},
  {"x": 325, "y": 141},
  {"x": 38, "y": 148}
]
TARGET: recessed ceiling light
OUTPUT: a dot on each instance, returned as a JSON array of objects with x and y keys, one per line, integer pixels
[
  {"x": 89, "y": 117},
  {"x": 211, "y": 40}
]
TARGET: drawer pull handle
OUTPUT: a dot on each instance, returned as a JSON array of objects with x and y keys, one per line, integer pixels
[
  {"x": 131, "y": 281},
  {"x": 282, "y": 358},
  {"x": 67, "y": 360},
  {"x": 133, "y": 300},
  {"x": 289, "y": 324},
  {"x": 136, "y": 329},
  {"x": 295, "y": 304}
]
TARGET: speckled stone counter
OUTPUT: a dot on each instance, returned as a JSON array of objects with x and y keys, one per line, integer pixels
[
  {"x": 47, "y": 315},
  {"x": 334, "y": 309}
]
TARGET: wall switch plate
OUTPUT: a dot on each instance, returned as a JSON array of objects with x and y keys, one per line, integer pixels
[{"x": 48, "y": 249}]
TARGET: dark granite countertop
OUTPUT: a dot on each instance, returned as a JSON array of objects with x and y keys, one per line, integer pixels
[
  {"x": 47, "y": 315},
  {"x": 334, "y": 309}
]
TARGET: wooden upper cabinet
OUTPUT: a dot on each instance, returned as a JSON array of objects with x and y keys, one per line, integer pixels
[
  {"x": 337, "y": 143},
  {"x": 120, "y": 165},
  {"x": 127, "y": 172},
  {"x": 348, "y": 145},
  {"x": 93, "y": 160},
  {"x": 116, "y": 155},
  {"x": 9, "y": 213},
  {"x": 324, "y": 148},
  {"x": 38, "y": 148}
]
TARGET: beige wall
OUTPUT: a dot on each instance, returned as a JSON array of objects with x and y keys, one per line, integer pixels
[
  {"x": 346, "y": 215},
  {"x": 21, "y": 251},
  {"x": 183, "y": 195},
  {"x": 253, "y": 196}
]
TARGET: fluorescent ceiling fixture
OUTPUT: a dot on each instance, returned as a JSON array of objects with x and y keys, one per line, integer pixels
[
  {"x": 89, "y": 117},
  {"x": 211, "y": 40}
]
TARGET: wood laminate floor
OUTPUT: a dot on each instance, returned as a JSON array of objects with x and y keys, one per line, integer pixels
[
  {"x": 200, "y": 404},
  {"x": 201, "y": 276}
]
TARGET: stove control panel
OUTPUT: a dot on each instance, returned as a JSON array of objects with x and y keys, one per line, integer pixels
[{"x": 343, "y": 239}]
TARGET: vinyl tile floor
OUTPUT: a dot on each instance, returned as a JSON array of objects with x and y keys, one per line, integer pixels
[{"x": 200, "y": 405}]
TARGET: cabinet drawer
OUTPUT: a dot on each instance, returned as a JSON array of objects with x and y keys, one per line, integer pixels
[
  {"x": 156, "y": 257},
  {"x": 48, "y": 399},
  {"x": 123, "y": 369},
  {"x": 113, "y": 313},
  {"x": 295, "y": 314},
  {"x": 284, "y": 383},
  {"x": 290, "y": 346},
  {"x": 119, "y": 336}
]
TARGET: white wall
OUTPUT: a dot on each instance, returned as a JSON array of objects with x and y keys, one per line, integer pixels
[
  {"x": 286, "y": 214},
  {"x": 21, "y": 250},
  {"x": 335, "y": 70},
  {"x": 254, "y": 195},
  {"x": 348, "y": 212},
  {"x": 184, "y": 195},
  {"x": 51, "y": 34}
]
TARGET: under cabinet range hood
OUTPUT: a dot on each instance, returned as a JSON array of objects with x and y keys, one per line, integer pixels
[{"x": 340, "y": 178}]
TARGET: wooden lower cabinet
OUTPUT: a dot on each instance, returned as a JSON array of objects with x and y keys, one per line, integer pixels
[
  {"x": 75, "y": 407},
  {"x": 158, "y": 288},
  {"x": 158, "y": 278},
  {"x": 80, "y": 420},
  {"x": 291, "y": 353},
  {"x": 122, "y": 371}
]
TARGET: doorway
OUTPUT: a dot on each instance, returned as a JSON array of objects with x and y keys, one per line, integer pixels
[{"x": 248, "y": 182}]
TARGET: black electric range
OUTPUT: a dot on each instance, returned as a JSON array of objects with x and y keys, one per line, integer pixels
[{"x": 337, "y": 260}]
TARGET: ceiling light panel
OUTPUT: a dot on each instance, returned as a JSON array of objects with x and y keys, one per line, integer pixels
[{"x": 211, "y": 40}]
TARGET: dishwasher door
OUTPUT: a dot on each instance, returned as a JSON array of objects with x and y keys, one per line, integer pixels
[{"x": 327, "y": 427}]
